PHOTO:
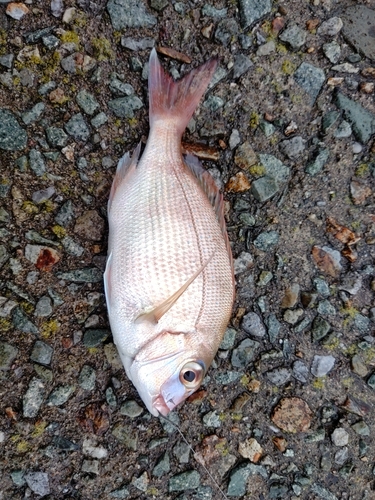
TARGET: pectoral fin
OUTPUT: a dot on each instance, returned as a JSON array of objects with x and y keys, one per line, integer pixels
[{"x": 158, "y": 312}]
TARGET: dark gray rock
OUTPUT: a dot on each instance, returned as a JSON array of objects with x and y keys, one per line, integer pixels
[
  {"x": 253, "y": 10},
  {"x": 38, "y": 482},
  {"x": 99, "y": 120},
  {"x": 362, "y": 121},
  {"x": 36, "y": 162},
  {"x": 12, "y": 136},
  {"x": 40, "y": 197},
  {"x": 34, "y": 114},
  {"x": 300, "y": 371},
  {"x": 279, "y": 376},
  {"x": 33, "y": 399},
  {"x": 264, "y": 188},
  {"x": 124, "y": 107},
  {"x": 7, "y": 60},
  {"x": 129, "y": 14},
  {"x": 95, "y": 337},
  {"x": 21, "y": 322},
  {"x": 244, "y": 353},
  {"x": 87, "y": 378},
  {"x": 56, "y": 137},
  {"x": 226, "y": 30},
  {"x": 188, "y": 480},
  {"x": 87, "y": 102},
  {"x": 253, "y": 325},
  {"x": 77, "y": 128},
  {"x": 162, "y": 467},
  {"x": 358, "y": 29},
  {"x": 332, "y": 51},
  {"x": 60, "y": 395},
  {"x": 265, "y": 241},
  {"x": 4, "y": 255},
  {"x": 317, "y": 163},
  {"x": 294, "y": 36},
  {"x": 43, "y": 307},
  {"x": 66, "y": 214},
  {"x": 8, "y": 354},
  {"x": 310, "y": 79},
  {"x": 136, "y": 45},
  {"x": 274, "y": 168},
  {"x": 86, "y": 275},
  {"x": 292, "y": 148},
  {"x": 41, "y": 353},
  {"x": 239, "y": 476}
]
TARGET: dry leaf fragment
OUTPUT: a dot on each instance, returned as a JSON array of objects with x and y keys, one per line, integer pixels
[
  {"x": 327, "y": 260},
  {"x": 342, "y": 233},
  {"x": 173, "y": 54},
  {"x": 201, "y": 151}
]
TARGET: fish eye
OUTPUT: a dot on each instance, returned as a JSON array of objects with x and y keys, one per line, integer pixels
[{"x": 192, "y": 374}]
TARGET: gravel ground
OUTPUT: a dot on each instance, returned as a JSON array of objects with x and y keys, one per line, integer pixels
[{"x": 287, "y": 409}]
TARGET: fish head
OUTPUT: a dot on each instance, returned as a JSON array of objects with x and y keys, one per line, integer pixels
[{"x": 168, "y": 369}]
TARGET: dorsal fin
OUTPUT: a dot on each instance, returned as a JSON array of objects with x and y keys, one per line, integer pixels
[
  {"x": 159, "y": 311},
  {"x": 208, "y": 185},
  {"x": 124, "y": 166}
]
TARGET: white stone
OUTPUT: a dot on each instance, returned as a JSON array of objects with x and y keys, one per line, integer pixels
[{"x": 340, "y": 437}]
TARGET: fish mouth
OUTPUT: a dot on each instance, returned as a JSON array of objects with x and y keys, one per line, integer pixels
[{"x": 161, "y": 406}]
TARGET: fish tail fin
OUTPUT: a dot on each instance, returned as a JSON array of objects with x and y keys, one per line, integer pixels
[{"x": 176, "y": 100}]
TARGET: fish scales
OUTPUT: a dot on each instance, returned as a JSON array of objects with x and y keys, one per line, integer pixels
[{"x": 163, "y": 231}]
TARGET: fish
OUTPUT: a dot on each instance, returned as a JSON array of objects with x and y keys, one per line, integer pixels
[{"x": 169, "y": 281}]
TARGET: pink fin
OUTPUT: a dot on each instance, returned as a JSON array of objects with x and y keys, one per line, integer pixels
[
  {"x": 124, "y": 166},
  {"x": 107, "y": 282},
  {"x": 176, "y": 100},
  {"x": 208, "y": 185}
]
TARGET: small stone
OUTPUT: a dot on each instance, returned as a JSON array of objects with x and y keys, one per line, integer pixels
[
  {"x": 322, "y": 365},
  {"x": 89, "y": 448},
  {"x": 33, "y": 399},
  {"x": 77, "y": 128},
  {"x": 292, "y": 415},
  {"x": 279, "y": 376},
  {"x": 228, "y": 377},
  {"x": 8, "y": 354},
  {"x": 252, "y": 10},
  {"x": 264, "y": 278},
  {"x": 245, "y": 156},
  {"x": 234, "y": 139},
  {"x": 292, "y": 316},
  {"x": 213, "y": 103},
  {"x": 188, "y": 480},
  {"x": 129, "y": 14},
  {"x": 162, "y": 467},
  {"x": 340, "y": 437},
  {"x": 292, "y": 148},
  {"x": 345, "y": 68},
  {"x": 361, "y": 428},
  {"x": 294, "y": 36},
  {"x": 325, "y": 307},
  {"x": 38, "y": 482},
  {"x": 358, "y": 366},
  {"x": 243, "y": 263},
  {"x": 228, "y": 339},
  {"x": 359, "y": 192},
  {"x": 310, "y": 79},
  {"x": 43, "y": 307},
  {"x": 341, "y": 456},
  {"x": 34, "y": 114},
  {"x": 319, "y": 160},
  {"x": 4, "y": 255},
  {"x": 21, "y": 322},
  {"x": 212, "y": 419},
  {"x": 362, "y": 121},
  {"x": 72, "y": 247},
  {"x": 16, "y": 10},
  {"x": 250, "y": 449},
  {"x": 87, "y": 378},
  {"x": 239, "y": 478},
  {"x": 322, "y": 492},
  {"x": 182, "y": 452},
  {"x": 90, "y": 226},
  {"x": 131, "y": 409},
  {"x": 238, "y": 183},
  {"x": 36, "y": 162},
  {"x": 264, "y": 188},
  {"x": 266, "y": 49},
  {"x": 95, "y": 337},
  {"x": 56, "y": 137},
  {"x": 273, "y": 325},
  {"x": 6, "y": 60},
  {"x": 43, "y": 195},
  {"x": 332, "y": 51},
  {"x": 291, "y": 295},
  {"x": 99, "y": 120},
  {"x": 124, "y": 107},
  {"x": 87, "y": 102},
  {"x": 241, "y": 65},
  {"x": 43, "y": 257},
  {"x": 226, "y": 31},
  {"x": 362, "y": 323},
  {"x": 244, "y": 353},
  {"x": 126, "y": 435},
  {"x": 300, "y": 371},
  {"x": 41, "y": 353},
  {"x": 60, "y": 395},
  {"x": 320, "y": 328},
  {"x": 66, "y": 214},
  {"x": 252, "y": 325},
  {"x": 327, "y": 260},
  {"x": 90, "y": 467},
  {"x": 267, "y": 240},
  {"x": 86, "y": 275},
  {"x": 330, "y": 27}
]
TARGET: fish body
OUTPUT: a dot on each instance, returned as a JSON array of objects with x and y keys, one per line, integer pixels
[{"x": 169, "y": 276}]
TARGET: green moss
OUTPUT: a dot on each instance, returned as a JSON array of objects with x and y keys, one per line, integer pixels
[
  {"x": 254, "y": 120},
  {"x": 288, "y": 68},
  {"x": 351, "y": 350},
  {"x": 50, "y": 65},
  {"x": 244, "y": 380},
  {"x": 319, "y": 383},
  {"x": 117, "y": 36},
  {"x": 257, "y": 170},
  {"x": 49, "y": 328},
  {"x": 369, "y": 355},
  {"x": 39, "y": 429},
  {"x": 133, "y": 122},
  {"x": 362, "y": 170},
  {"x": 59, "y": 231},
  {"x": 3, "y": 41},
  {"x": 236, "y": 417},
  {"x": 80, "y": 20},
  {"x": 102, "y": 49},
  {"x": 347, "y": 382},
  {"x": 281, "y": 49},
  {"x": 70, "y": 37},
  {"x": 355, "y": 225},
  {"x": 23, "y": 446},
  {"x": 5, "y": 325},
  {"x": 29, "y": 207},
  {"x": 49, "y": 206},
  {"x": 27, "y": 307},
  {"x": 152, "y": 491},
  {"x": 332, "y": 343}
]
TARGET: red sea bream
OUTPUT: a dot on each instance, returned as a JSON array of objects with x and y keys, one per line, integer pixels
[{"x": 169, "y": 277}]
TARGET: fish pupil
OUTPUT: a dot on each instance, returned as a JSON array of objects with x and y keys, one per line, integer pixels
[{"x": 189, "y": 376}]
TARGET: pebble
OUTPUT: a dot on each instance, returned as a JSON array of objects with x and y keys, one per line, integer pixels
[
  {"x": 291, "y": 295},
  {"x": 266, "y": 241},
  {"x": 300, "y": 371},
  {"x": 212, "y": 419},
  {"x": 320, "y": 328},
  {"x": 279, "y": 376},
  {"x": 357, "y": 148},
  {"x": 118, "y": 87},
  {"x": 21, "y": 322},
  {"x": 38, "y": 482},
  {"x": 292, "y": 415},
  {"x": 244, "y": 353},
  {"x": 77, "y": 128},
  {"x": 228, "y": 339},
  {"x": 327, "y": 260},
  {"x": 43, "y": 195},
  {"x": 66, "y": 214},
  {"x": 210, "y": 11},
  {"x": 358, "y": 366},
  {"x": 228, "y": 377},
  {"x": 78, "y": 63},
  {"x": 119, "y": 493},
  {"x": 362, "y": 323},
  {"x": 162, "y": 467},
  {"x": 131, "y": 409},
  {"x": 310, "y": 79},
  {"x": 245, "y": 156},
  {"x": 36, "y": 162},
  {"x": 326, "y": 308},
  {"x": 341, "y": 456},
  {"x": 56, "y": 137},
  {"x": 43, "y": 307},
  {"x": 4, "y": 255},
  {"x": 251, "y": 449},
  {"x": 253, "y": 10},
  {"x": 264, "y": 188},
  {"x": 86, "y": 275},
  {"x": 241, "y": 65},
  {"x": 42, "y": 256},
  {"x": 95, "y": 337},
  {"x": 34, "y": 114},
  {"x": 361, "y": 428},
  {"x": 90, "y": 448},
  {"x": 187, "y": 480},
  {"x": 126, "y": 435},
  {"x": 6, "y": 60},
  {"x": 322, "y": 365},
  {"x": 330, "y": 27},
  {"x": 16, "y": 10},
  {"x": 90, "y": 226},
  {"x": 87, "y": 378},
  {"x": 87, "y": 102},
  {"x": 318, "y": 161},
  {"x": 99, "y": 120},
  {"x": 60, "y": 395},
  {"x": 8, "y": 354},
  {"x": 273, "y": 325},
  {"x": 340, "y": 437},
  {"x": 264, "y": 278},
  {"x": 322, "y": 287},
  {"x": 332, "y": 51},
  {"x": 266, "y": 49},
  {"x": 90, "y": 467},
  {"x": 322, "y": 492},
  {"x": 33, "y": 399},
  {"x": 41, "y": 353},
  {"x": 294, "y": 36},
  {"x": 292, "y": 316},
  {"x": 239, "y": 477},
  {"x": 137, "y": 45},
  {"x": 253, "y": 325},
  {"x": 292, "y": 148},
  {"x": 345, "y": 68},
  {"x": 72, "y": 247},
  {"x": 359, "y": 192},
  {"x": 362, "y": 121},
  {"x": 124, "y": 107}
]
